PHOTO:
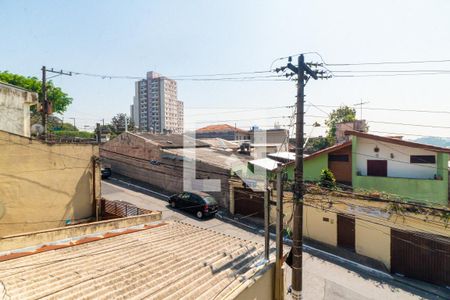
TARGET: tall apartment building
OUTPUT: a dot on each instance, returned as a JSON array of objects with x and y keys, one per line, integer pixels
[{"x": 156, "y": 106}]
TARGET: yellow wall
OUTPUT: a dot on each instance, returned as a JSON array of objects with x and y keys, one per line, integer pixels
[
  {"x": 44, "y": 186},
  {"x": 259, "y": 288},
  {"x": 314, "y": 226},
  {"x": 374, "y": 241}
]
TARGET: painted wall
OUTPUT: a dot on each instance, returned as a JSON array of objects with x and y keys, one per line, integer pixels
[
  {"x": 317, "y": 227},
  {"x": 44, "y": 186},
  {"x": 425, "y": 189},
  {"x": 399, "y": 165},
  {"x": 15, "y": 109},
  {"x": 419, "y": 190},
  {"x": 373, "y": 240},
  {"x": 260, "y": 287},
  {"x": 313, "y": 167}
]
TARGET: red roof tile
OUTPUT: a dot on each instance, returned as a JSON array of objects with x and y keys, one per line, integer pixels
[{"x": 220, "y": 127}]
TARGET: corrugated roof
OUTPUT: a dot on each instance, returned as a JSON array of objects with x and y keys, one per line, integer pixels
[
  {"x": 265, "y": 163},
  {"x": 220, "y": 127},
  {"x": 220, "y": 143},
  {"x": 173, "y": 261},
  {"x": 172, "y": 140},
  {"x": 222, "y": 159},
  {"x": 284, "y": 155}
]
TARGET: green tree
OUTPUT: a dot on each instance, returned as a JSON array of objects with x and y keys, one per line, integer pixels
[
  {"x": 339, "y": 115},
  {"x": 316, "y": 143},
  {"x": 118, "y": 123},
  {"x": 58, "y": 99}
]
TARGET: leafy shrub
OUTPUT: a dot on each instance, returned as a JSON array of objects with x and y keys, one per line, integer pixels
[
  {"x": 74, "y": 134},
  {"x": 327, "y": 179}
]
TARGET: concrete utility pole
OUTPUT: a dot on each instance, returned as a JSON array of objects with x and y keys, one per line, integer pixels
[
  {"x": 297, "y": 235},
  {"x": 45, "y": 104},
  {"x": 44, "y": 100}
]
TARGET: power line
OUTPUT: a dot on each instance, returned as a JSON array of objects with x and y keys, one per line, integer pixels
[
  {"x": 391, "y": 75},
  {"x": 235, "y": 120},
  {"x": 392, "y": 109},
  {"x": 390, "y": 71},
  {"x": 243, "y": 110},
  {"x": 223, "y": 74},
  {"x": 409, "y": 124},
  {"x": 389, "y": 62}
]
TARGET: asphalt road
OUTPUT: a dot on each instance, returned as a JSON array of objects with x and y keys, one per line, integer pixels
[{"x": 323, "y": 277}]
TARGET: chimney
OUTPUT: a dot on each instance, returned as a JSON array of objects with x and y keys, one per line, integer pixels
[{"x": 341, "y": 128}]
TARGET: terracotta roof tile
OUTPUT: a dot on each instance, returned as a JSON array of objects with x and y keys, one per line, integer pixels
[{"x": 220, "y": 127}]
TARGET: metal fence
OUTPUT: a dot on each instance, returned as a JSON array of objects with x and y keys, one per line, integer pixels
[{"x": 121, "y": 209}]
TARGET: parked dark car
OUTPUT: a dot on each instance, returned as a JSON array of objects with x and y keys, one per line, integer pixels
[
  {"x": 201, "y": 204},
  {"x": 106, "y": 173}
]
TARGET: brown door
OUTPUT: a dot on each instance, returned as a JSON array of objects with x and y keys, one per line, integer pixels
[
  {"x": 377, "y": 168},
  {"x": 341, "y": 166},
  {"x": 421, "y": 257},
  {"x": 346, "y": 232},
  {"x": 249, "y": 203}
]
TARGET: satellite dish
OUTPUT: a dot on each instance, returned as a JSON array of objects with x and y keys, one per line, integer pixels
[{"x": 37, "y": 129}]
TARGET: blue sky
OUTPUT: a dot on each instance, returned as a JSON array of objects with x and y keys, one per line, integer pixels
[{"x": 202, "y": 37}]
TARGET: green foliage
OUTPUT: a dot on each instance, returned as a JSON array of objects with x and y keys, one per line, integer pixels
[
  {"x": 117, "y": 125},
  {"x": 327, "y": 179},
  {"x": 74, "y": 134},
  {"x": 316, "y": 143},
  {"x": 339, "y": 115},
  {"x": 59, "y": 100},
  {"x": 65, "y": 126}
]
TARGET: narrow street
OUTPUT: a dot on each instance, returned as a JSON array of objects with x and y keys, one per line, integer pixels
[{"x": 324, "y": 278}]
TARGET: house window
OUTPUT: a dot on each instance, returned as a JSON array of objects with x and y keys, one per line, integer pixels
[
  {"x": 338, "y": 157},
  {"x": 377, "y": 168},
  {"x": 423, "y": 159}
]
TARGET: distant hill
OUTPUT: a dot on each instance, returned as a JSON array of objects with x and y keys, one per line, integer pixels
[{"x": 435, "y": 141}]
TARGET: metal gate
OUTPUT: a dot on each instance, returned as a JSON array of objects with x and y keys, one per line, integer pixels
[
  {"x": 421, "y": 257},
  {"x": 346, "y": 232},
  {"x": 248, "y": 202}
]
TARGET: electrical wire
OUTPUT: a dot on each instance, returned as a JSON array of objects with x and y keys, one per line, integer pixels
[
  {"x": 389, "y": 62},
  {"x": 390, "y": 109},
  {"x": 391, "y": 75},
  {"x": 223, "y": 74},
  {"x": 243, "y": 110}
]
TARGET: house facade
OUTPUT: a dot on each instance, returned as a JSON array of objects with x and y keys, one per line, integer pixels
[
  {"x": 412, "y": 171},
  {"x": 45, "y": 185},
  {"x": 405, "y": 170}
]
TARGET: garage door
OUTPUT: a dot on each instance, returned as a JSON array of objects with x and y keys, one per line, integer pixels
[
  {"x": 419, "y": 256},
  {"x": 248, "y": 202}
]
